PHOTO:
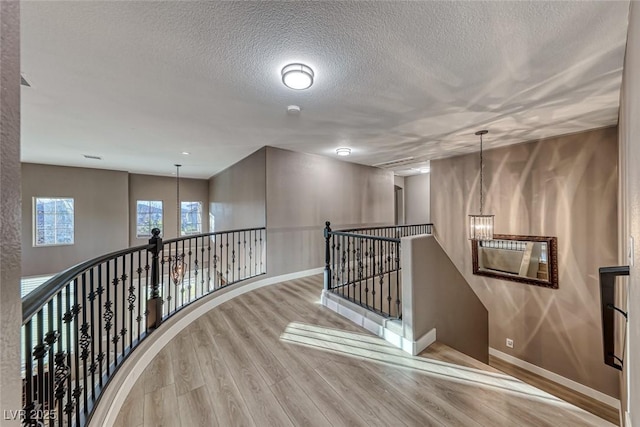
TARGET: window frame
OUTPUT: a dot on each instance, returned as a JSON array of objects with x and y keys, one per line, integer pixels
[
  {"x": 142, "y": 236},
  {"x": 200, "y": 222},
  {"x": 34, "y": 222}
]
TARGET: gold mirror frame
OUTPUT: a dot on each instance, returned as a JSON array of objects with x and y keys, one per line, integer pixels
[{"x": 552, "y": 261}]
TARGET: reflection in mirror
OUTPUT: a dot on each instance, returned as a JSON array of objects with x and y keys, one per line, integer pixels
[{"x": 528, "y": 259}]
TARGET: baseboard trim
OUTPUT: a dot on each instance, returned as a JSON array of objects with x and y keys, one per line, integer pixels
[
  {"x": 552, "y": 376},
  {"x": 376, "y": 324},
  {"x": 121, "y": 384},
  {"x": 627, "y": 419},
  {"x": 424, "y": 341}
]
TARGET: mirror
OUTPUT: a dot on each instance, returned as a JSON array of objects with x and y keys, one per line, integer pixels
[{"x": 526, "y": 259}]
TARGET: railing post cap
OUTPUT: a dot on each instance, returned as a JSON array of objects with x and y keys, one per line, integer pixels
[
  {"x": 155, "y": 232},
  {"x": 327, "y": 223}
]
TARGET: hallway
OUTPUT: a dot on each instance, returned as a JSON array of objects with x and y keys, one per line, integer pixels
[{"x": 276, "y": 357}]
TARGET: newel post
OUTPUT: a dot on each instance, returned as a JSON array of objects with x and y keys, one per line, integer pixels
[
  {"x": 154, "y": 304},
  {"x": 327, "y": 256}
]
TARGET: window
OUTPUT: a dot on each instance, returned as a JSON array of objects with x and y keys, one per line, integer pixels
[
  {"x": 52, "y": 221},
  {"x": 190, "y": 218},
  {"x": 148, "y": 217}
]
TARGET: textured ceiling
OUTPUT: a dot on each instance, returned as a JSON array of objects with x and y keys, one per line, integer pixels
[{"x": 137, "y": 83}]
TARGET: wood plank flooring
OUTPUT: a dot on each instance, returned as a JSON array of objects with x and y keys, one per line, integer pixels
[{"x": 276, "y": 357}]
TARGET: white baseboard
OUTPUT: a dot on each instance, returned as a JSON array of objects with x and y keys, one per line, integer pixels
[
  {"x": 424, "y": 341},
  {"x": 552, "y": 376},
  {"x": 114, "y": 396},
  {"x": 376, "y": 324},
  {"x": 627, "y": 419}
]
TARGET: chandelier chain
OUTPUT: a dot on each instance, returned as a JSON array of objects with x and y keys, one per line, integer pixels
[{"x": 481, "y": 173}]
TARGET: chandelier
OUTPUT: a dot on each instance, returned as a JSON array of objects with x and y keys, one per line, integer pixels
[{"x": 481, "y": 226}]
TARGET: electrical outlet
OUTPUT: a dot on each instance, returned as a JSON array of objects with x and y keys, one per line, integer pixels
[{"x": 509, "y": 343}]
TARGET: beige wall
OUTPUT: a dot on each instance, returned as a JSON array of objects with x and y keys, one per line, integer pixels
[
  {"x": 237, "y": 195},
  {"x": 436, "y": 295},
  {"x": 398, "y": 181},
  {"x": 152, "y": 187},
  {"x": 564, "y": 187},
  {"x": 101, "y": 214},
  {"x": 10, "y": 307},
  {"x": 417, "y": 190},
  {"x": 630, "y": 224},
  {"x": 304, "y": 191}
]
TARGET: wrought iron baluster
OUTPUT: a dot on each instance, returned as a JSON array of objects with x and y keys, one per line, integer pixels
[
  {"x": 123, "y": 305},
  {"x": 61, "y": 367},
  {"x": 50, "y": 339},
  {"x": 388, "y": 271},
  {"x": 77, "y": 391},
  {"x": 85, "y": 340},
  {"x": 107, "y": 315},
  {"x": 29, "y": 398},
  {"x": 244, "y": 253},
  {"x": 116, "y": 337},
  {"x": 92, "y": 315},
  {"x": 398, "y": 276},
  {"x": 239, "y": 256},
  {"x": 209, "y": 262},
  {"x": 262, "y": 253},
  {"x": 131, "y": 299},
  {"x": 100, "y": 357}
]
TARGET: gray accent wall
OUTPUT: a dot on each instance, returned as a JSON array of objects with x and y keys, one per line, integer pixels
[
  {"x": 238, "y": 194},
  {"x": 101, "y": 214},
  {"x": 417, "y": 190},
  {"x": 304, "y": 191},
  {"x": 153, "y": 187},
  {"x": 564, "y": 187},
  {"x": 436, "y": 295}
]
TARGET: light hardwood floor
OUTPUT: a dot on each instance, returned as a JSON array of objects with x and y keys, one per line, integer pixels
[{"x": 276, "y": 357}]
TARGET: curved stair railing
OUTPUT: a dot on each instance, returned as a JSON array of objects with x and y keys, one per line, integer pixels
[{"x": 79, "y": 326}]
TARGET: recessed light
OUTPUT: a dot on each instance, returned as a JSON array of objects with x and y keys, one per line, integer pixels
[
  {"x": 425, "y": 170},
  {"x": 343, "y": 151},
  {"x": 89, "y": 156},
  {"x": 297, "y": 76},
  {"x": 186, "y": 153}
]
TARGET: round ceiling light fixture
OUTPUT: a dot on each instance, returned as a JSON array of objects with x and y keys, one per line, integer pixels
[
  {"x": 343, "y": 151},
  {"x": 297, "y": 76}
]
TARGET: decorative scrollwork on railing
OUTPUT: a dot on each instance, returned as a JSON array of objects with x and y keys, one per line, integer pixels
[{"x": 79, "y": 326}]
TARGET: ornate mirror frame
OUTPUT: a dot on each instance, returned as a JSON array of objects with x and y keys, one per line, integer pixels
[{"x": 552, "y": 261}]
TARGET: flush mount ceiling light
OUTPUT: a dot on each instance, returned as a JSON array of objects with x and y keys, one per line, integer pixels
[
  {"x": 297, "y": 76},
  {"x": 343, "y": 151},
  {"x": 185, "y": 153},
  {"x": 481, "y": 226},
  {"x": 425, "y": 170}
]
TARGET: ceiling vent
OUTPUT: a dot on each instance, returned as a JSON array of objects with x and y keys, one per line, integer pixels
[
  {"x": 24, "y": 82},
  {"x": 88, "y": 156},
  {"x": 394, "y": 163}
]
